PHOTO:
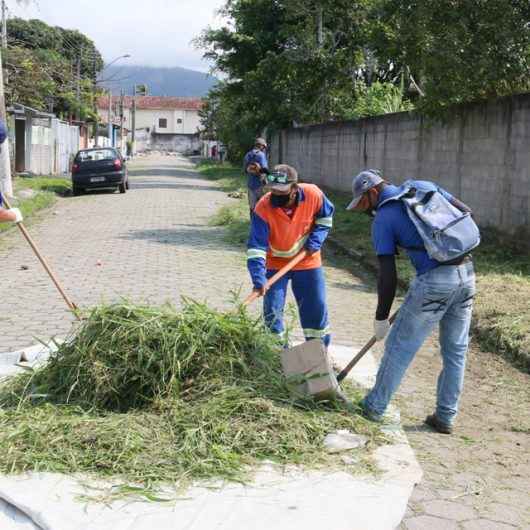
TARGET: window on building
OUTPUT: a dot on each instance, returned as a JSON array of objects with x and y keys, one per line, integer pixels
[
  {"x": 179, "y": 120},
  {"x": 162, "y": 123}
]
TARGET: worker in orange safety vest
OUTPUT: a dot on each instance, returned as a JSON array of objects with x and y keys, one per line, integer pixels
[{"x": 291, "y": 217}]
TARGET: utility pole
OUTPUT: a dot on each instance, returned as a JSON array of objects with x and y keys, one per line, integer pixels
[
  {"x": 4, "y": 35},
  {"x": 4, "y": 24},
  {"x": 95, "y": 89},
  {"x": 78, "y": 84},
  {"x": 320, "y": 26},
  {"x": 6, "y": 184},
  {"x": 133, "y": 124},
  {"x": 110, "y": 127},
  {"x": 121, "y": 122},
  {"x": 320, "y": 46}
]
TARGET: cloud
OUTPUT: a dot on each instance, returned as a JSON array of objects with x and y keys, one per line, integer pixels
[{"x": 153, "y": 32}]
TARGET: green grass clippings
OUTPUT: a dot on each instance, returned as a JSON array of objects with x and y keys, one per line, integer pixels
[{"x": 154, "y": 395}]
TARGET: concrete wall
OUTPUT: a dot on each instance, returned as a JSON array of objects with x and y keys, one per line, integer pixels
[
  {"x": 481, "y": 155},
  {"x": 176, "y": 143}
]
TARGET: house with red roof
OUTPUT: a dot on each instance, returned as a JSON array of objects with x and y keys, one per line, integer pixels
[{"x": 162, "y": 123}]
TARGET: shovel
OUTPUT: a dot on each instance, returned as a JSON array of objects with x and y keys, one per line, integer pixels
[
  {"x": 282, "y": 272},
  {"x": 362, "y": 352}
]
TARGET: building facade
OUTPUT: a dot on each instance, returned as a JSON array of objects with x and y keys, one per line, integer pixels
[
  {"x": 162, "y": 123},
  {"x": 40, "y": 143}
]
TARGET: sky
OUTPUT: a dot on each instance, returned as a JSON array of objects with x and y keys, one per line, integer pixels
[{"x": 153, "y": 32}]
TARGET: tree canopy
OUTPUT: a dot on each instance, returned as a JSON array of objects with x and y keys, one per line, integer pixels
[
  {"x": 457, "y": 50},
  {"x": 41, "y": 66},
  {"x": 308, "y": 61}
]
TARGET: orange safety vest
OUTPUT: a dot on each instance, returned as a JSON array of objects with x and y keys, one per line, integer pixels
[{"x": 287, "y": 236}]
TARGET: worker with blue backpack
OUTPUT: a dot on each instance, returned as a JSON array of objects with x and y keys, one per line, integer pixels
[{"x": 437, "y": 232}]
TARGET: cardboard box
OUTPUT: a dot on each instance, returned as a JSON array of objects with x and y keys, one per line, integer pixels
[{"x": 308, "y": 368}]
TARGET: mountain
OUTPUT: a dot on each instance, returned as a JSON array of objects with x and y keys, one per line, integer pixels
[{"x": 160, "y": 81}]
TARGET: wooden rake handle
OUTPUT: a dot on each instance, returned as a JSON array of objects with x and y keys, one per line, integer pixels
[
  {"x": 41, "y": 258},
  {"x": 345, "y": 371},
  {"x": 282, "y": 272}
]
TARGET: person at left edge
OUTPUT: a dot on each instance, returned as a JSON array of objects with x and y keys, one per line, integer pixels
[
  {"x": 13, "y": 215},
  {"x": 289, "y": 218}
]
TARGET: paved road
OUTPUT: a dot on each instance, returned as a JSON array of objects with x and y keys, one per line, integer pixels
[{"x": 154, "y": 244}]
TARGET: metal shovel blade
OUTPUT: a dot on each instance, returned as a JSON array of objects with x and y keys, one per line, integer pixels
[{"x": 308, "y": 368}]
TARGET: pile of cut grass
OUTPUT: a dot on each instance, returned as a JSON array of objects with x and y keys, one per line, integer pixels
[{"x": 154, "y": 395}]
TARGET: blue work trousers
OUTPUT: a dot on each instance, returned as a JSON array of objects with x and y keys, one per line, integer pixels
[
  {"x": 309, "y": 289},
  {"x": 442, "y": 296}
]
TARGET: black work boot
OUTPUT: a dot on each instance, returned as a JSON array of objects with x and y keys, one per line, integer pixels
[{"x": 437, "y": 425}]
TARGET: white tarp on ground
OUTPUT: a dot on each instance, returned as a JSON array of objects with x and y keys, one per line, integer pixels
[{"x": 283, "y": 499}]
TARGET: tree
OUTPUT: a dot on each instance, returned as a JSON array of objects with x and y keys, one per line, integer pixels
[
  {"x": 295, "y": 61},
  {"x": 225, "y": 116},
  {"x": 70, "y": 44},
  {"x": 41, "y": 63},
  {"x": 289, "y": 61},
  {"x": 456, "y": 50}
]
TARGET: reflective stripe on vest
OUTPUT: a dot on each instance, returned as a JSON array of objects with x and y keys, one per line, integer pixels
[{"x": 292, "y": 251}]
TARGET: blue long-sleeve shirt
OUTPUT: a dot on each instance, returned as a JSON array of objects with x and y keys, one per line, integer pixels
[
  {"x": 258, "y": 242},
  {"x": 254, "y": 156}
]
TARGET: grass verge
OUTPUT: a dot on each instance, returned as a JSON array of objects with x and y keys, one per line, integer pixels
[
  {"x": 501, "y": 320},
  {"x": 33, "y": 194},
  {"x": 234, "y": 216},
  {"x": 155, "y": 396}
]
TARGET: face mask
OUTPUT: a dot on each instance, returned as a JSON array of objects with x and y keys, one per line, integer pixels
[{"x": 279, "y": 201}]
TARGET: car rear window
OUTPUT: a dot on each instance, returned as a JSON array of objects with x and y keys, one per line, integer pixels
[{"x": 98, "y": 154}]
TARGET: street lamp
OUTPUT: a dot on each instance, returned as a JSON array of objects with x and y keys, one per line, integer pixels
[{"x": 126, "y": 56}]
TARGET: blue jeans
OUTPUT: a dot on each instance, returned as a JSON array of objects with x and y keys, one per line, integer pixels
[
  {"x": 254, "y": 195},
  {"x": 442, "y": 296},
  {"x": 309, "y": 289}
]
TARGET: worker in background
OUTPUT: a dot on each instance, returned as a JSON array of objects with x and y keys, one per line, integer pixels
[
  {"x": 13, "y": 215},
  {"x": 441, "y": 294},
  {"x": 256, "y": 166},
  {"x": 291, "y": 217}
]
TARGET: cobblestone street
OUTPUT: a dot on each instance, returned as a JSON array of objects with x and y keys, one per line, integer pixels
[{"x": 154, "y": 244}]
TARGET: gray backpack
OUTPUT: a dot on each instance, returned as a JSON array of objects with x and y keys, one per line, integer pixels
[{"x": 447, "y": 233}]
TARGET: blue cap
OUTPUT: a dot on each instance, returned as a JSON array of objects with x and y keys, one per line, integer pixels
[{"x": 365, "y": 180}]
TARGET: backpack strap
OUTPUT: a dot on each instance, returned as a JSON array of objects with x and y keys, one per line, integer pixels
[{"x": 408, "y": 192}]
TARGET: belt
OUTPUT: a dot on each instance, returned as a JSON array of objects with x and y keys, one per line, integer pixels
[{"x": 459, "y": 261}]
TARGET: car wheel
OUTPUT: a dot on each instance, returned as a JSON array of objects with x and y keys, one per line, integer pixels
[
  {"x": 122, "y": 187},
  {"x": 76, "y": 191}
]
